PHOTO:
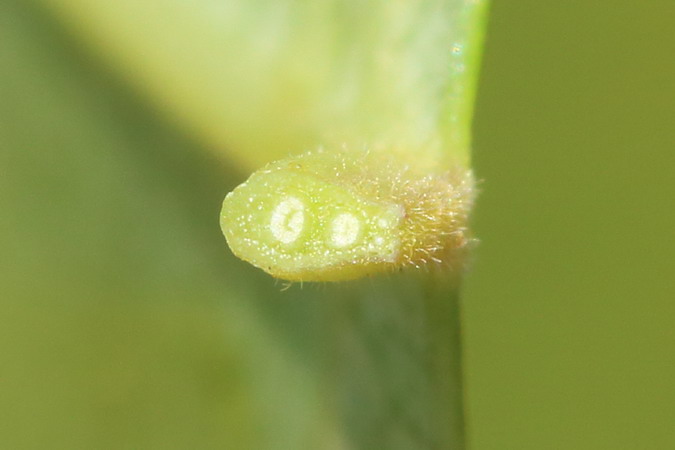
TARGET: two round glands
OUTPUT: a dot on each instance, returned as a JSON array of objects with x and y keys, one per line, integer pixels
[{"x": 297, "y": 226}]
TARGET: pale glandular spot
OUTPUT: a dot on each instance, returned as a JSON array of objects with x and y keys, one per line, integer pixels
[
  {"x": 345, "y": 230},
  {"x": 288, "y": 219}
]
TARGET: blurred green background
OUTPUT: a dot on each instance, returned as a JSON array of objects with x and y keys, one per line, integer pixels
[
  {"x": 570, "y": 308},
  {"x": 114, "y": 330}
]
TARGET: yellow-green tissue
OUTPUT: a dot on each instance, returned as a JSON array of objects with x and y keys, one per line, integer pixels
[{"x": 339, "y": 215}]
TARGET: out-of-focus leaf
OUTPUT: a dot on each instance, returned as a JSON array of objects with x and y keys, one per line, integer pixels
[{"x": 260, "y": 79}]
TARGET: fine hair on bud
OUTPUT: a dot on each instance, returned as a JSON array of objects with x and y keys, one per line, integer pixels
[{"x": 334, "y": 215}]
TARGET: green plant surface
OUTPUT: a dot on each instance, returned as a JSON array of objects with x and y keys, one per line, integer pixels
[
  {"x": 126, "y": 321},
  {"x": 324, "y": 72}
]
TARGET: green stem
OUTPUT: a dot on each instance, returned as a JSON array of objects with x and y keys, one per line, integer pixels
[{"x": 396, "y": 363}]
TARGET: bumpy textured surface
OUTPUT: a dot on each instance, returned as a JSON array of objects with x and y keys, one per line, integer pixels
[{"x": 338, "y": 215}]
